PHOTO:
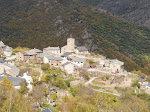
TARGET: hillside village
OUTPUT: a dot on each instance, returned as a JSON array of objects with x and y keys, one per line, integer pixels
[{"x": 74, "y": 62}]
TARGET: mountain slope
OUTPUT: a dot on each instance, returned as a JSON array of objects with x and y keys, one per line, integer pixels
[
  {"x": 48, "y": 23},
  {"x": 132, "y": 10}
]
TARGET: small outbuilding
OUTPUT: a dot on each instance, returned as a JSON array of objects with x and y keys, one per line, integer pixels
[
  {"x": 52, "y": 60},
  {"x": 51, "y": 50},
  {"x": 148, "y": 86},
  {"x": 116, "y": 66},
  {"x": 68, "y": 67},
  {"x": 81, "y": 50},
  {"x": 78, "y": 61}
]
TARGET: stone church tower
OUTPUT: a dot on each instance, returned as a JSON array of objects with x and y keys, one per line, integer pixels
[{"x": 70, "y": 45}]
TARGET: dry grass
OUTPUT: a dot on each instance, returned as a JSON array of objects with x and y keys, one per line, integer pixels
[{"x": 20, "y": 49}]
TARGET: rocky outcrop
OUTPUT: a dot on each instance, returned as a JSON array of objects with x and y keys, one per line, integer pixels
[{"x": 132, "y": 10}]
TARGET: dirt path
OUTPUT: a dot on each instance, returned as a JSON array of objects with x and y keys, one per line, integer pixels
[
  {"x": 107, "y": 72},
  {"x": 107, "y": 92},
  {"x": 90, "y": 82}
]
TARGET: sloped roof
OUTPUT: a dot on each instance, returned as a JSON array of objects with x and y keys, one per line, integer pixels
[
  {"x": 13, "y": 69},
  {"x": 52, "y": 48},
  {"x": 6, "y": 64},
  {"x": 48, "y": 110},
  {"x": 36, "y": 50},
  {"x": 30, "y": 52},
  {"x": 2, "y": 44},
  {"x": 82, "y": 49},
  {"x": 142, "y": 80},
  {"x": 148, "y": 85},
  {"x": 117, "y": 62},
  {"x": 15, "y": 80},
  {"x": 81, "y": 60},
  {"x": 66, "y": 54},
  {"x": 51, "y": 57},
  {"x": 65, "y": 63},
  {"x": 5, "y": 74},
  {"x": 24, "y": 53},
  {"x": 2, "y": 61},
  {"x": 8, "y": 49},
  {"x": 41, "y": 55}
]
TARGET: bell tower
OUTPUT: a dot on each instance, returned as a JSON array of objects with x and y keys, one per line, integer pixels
[{"x": 71, "y": 44}]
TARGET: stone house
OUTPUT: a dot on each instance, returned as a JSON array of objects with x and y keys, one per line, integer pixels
[
  {"x": 116, "y": 66},
  {"x": 30, "y": 56},
  {"x": 29, "y": 80},
  {"x": 107, "y": 63},
  {"x": 34, "y": 55},
  {"x": 104, "y": 63},
  {"x": 52, "y": 60},
  {"x": 40, "y": 57},
  {"x": 2, "y": 67},
  {"x": 5, "y": 50},
  {"x": 15, "y": 81},
  {"x": 37, "y": 51},
  {"x": 143, "y": 82},
  {"x": 67, "y": 55},
  {"x": 81, "y": 50},
  {"x": 1, "y": 51},
  {"x": 26, "y": 56},
  {"x": 78, "y": 61},
  {"x": 70, "y": 47},
  {"x": 51, "y": 50},
  {"x": 11, "y": 70},
  {"x": 2, "y": 46},
  {"x": 148, "y": 87},
  {"x": 68, "y": 67},
  {"x": 20, "y": 56}
]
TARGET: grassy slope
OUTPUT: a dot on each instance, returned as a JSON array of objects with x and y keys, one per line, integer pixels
[{"x": 41, "y": 26}]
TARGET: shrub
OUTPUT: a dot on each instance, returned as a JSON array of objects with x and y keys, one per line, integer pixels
[
  {"x": 35, "y": 76},
  {"x": 54, "y": 96},
  {"x": 92, "y": 54},
  {"x": 136, "y": 84},
  {"x": 48, "y": 78},
  {"x": 60, "y": 83},
  {"x": 67, "y": 83},
  {"x": 85, "y": 74},
  {"x": 45, "y": 67},
  {"x": 74, "y": 91}
]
